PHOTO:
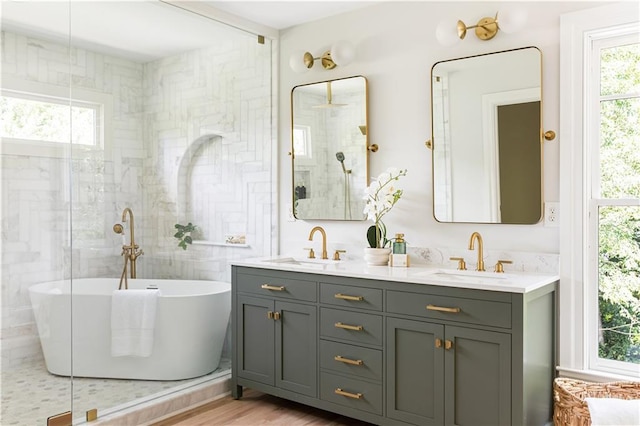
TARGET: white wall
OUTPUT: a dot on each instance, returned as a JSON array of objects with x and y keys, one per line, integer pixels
[{"x": 396, "y": 48}]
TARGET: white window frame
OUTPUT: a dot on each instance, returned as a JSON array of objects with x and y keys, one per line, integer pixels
[
  {"x": 305, "y": 132},
  {"x": 599, "y": 40},
  {"x": 576, "y": 314},
  {"x": 78, "y": 96}
]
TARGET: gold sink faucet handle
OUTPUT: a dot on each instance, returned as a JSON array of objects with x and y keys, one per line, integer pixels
[
  {"x": 499, "y": 265},
  {"x": 462, "y": 266},
  {"x": 312, "y": 254},
  {"x": 336, "y": 255}
]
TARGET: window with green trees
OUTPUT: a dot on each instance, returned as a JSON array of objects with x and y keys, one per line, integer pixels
[
  {"x": 614, "y": 204},
  {"x": 35, "y": 117}
]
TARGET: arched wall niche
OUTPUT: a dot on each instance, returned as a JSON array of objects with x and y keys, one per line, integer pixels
[{"x": 212, "y": 193}]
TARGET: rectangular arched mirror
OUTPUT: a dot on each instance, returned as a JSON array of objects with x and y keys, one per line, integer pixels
[
  {"x": 329, "y": 149},
  {"x": 487, "y": 139}
]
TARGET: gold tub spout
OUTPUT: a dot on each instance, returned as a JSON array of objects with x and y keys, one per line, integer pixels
[
  {"x": 324, "y": 240},
  {"x": 130, "y": 252},
  {"x": 477, "y": 236}
]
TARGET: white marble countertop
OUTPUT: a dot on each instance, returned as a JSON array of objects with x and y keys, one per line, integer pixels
[{"x": 513, "y": 282}]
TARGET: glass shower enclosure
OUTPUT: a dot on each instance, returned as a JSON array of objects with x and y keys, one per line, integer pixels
[{"x": 137, "y": 140}]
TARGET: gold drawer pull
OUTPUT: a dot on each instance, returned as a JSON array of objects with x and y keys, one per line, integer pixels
[
  {"x": 339, "y": 391},
  {"x": 438, "y": 343},
  {"x": 349, "y": 327},
  {"x": 348, "y": 361},
  {"x": 443, "y": 309},
  {"x": 347, "y": 297},
  {"x": 272, "y": 287},
  {"x": 269, "y": 314},
  {"x": 448, "y": 344}
]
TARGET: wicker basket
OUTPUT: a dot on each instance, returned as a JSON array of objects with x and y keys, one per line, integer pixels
[{"x": 570, "y": 409}]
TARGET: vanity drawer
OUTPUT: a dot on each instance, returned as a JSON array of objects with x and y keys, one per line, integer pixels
[
  {"x": 349, "y": 296},
  {"x": 481, "y": 312},
  {"x": 351, "y": 359},
  {"x": 351, "y": 393},
  {"x": 277, "y": 287},
  {"x": 355, "y": 327}
]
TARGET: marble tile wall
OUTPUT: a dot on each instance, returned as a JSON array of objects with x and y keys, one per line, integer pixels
[
  {"x": 37, "y": 190},
  {"x": 209, "y": 157},
  {"x": 159, "y": 110}
]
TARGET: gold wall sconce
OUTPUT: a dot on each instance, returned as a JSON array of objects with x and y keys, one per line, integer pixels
[
  {"x": 341, "y": 53},
  {"x": 508, "y": 20}
]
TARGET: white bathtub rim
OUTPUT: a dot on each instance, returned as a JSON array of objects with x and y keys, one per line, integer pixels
[{"x": 64, "y": 286}]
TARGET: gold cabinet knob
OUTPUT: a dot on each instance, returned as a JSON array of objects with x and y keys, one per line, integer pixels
[
  {"x": 349, "y": 326},
  {"x": 273, "y": 287},
  {"x": 349, "y": 361},
  {"x": 348, "y": 297},
  {"x": 339, "y": 391}
]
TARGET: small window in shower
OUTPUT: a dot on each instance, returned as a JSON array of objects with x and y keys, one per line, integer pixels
[
  {"x": 37, "y": 118},
  {"x": 302, "y": 141}
]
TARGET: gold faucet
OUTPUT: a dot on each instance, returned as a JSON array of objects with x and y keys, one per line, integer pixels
[
  {"x": 477, "y": 236},
  {"x": 324, "y": 240},
  {"x": 130, "y": 252}
]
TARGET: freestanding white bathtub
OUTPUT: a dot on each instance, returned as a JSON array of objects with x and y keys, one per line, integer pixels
[{"x": 190, "y": 327}]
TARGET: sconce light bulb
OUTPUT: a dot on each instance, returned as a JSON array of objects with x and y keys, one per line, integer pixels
[
  {"x": 447, "y": 33},
  {"x": 296, "y": 62},
  {"x": 342, "y": 52},
  {"x": 511, "y": 19}
]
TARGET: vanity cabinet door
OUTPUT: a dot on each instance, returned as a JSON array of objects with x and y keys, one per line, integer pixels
[
  {"x": 415, "y": 376},
  {"x": 296, "y": 348},
  {"x": 256, "y": 339},
  {"x": 477, "y": 377}
]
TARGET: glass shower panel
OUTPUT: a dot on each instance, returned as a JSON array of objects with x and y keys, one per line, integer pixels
[
  {"x": 177, "y": 130},
  {"x": 36, "y": 118}
]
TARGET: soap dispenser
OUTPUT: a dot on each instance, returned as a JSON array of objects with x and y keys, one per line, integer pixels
[
  {"x": 399, "y": 256},
  {"x": 399, "y": 245}
]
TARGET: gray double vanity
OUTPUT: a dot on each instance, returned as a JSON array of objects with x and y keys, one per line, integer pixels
[
  {"x": 396, "y": 346},
  {"x": 419, "y": 345}
]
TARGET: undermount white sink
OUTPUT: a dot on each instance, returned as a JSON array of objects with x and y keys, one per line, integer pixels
[
  {"x": 467, "y": 276},
  {"x": 298, "y": 261}
]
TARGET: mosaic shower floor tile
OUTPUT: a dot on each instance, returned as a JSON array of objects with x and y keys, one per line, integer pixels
[{"x": 30, "y": 393}]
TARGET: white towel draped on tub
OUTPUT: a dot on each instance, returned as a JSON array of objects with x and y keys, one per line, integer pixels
[
  {"x": 133, "y": 317},
  {"x": 614, "y": 411}
]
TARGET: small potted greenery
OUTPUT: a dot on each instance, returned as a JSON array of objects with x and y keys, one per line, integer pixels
[{"x": 184, "y": 234}]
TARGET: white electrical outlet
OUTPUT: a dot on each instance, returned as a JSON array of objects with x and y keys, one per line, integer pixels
[{"x": 551, "y": 213}]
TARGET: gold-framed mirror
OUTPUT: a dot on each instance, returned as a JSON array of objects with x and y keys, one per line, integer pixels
[
  {"x": 487, "y": 138},
  {"x": 329, "y": 149}
]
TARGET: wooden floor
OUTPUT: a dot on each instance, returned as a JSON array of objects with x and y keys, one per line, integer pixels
[{"x": 256, "y": 408}]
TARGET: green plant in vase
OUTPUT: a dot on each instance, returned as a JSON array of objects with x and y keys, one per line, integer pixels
[{"x": 184, "y": 234}]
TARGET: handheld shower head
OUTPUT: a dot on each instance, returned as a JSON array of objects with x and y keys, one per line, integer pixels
[{"x": 340, "y": 158}]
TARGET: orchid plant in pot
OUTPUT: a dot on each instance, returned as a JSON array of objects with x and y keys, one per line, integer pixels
[{"x": 381, "y": 196}]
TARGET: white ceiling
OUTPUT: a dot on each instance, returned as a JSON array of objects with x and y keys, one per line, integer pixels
[
  {"x": 284, "y": 14},
  {"x": 145, "y": 30}
]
